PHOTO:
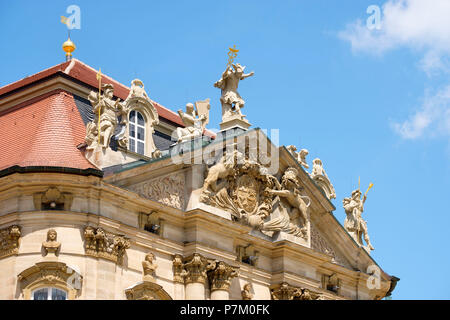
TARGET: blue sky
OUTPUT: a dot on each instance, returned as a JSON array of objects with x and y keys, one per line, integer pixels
[{"x": 369, "y": 103}]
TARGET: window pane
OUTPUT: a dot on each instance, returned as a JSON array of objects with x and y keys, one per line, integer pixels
[
  {"x": 41, "y": 294},
  {"x": 132, "y": 131},
  {"x": 140, "y": 147},
  {"x": 140, "y": 133},
  {"x": 58, "y": 294},
  {"x": 140, "y": 119},
  {"x": 132, "y": 147},
  {"x": 133, "y": 116}
]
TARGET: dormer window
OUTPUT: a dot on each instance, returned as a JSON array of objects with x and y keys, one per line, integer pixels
[{"x": 137, "y": 132}]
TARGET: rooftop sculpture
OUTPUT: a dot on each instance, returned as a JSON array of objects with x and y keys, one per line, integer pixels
[
  {"x": 355, "y": 225},
  {"x": 231, "y": 100}
]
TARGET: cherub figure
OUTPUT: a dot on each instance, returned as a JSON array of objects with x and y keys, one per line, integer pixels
[
  {"x": 300, "y": 156},
  {"x": 232, "y": 103},
  {"x": 194, "y": 121}
]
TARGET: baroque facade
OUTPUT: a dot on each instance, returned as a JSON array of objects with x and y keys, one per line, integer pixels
[{"x": 106, "y": 194}]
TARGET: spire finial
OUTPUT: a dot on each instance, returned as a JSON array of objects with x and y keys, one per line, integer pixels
[{"x": 68, "y": 47}]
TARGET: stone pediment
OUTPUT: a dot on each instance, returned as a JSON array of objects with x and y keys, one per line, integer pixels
[{"x": 280, "y": 201}]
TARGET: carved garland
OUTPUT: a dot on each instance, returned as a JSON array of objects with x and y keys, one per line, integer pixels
[
  {"x": 9, "y": 241},
  {"x": 109, "y": 246}
]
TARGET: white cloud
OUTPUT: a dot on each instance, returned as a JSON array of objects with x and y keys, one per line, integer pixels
[
  {"x": 417, "y": 24},
  {"x": 422, "y": 26},
  {"x": 433, "y": 117}
]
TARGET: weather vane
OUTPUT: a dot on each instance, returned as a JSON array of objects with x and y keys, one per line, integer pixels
[{"x": 231, "y": 55}]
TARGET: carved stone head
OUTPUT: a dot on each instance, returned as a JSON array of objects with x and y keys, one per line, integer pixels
[
  {"x": 51, "y": 235},
  {"x": 108, "y": 90},
  {"x": 356, "y": 194}
]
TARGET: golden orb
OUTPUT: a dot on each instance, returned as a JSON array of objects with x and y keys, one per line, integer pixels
[{"x": 68, "y": 47}]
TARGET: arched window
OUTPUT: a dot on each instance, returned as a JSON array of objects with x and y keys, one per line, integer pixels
[
  {"x": 137, "y": 132},
  {"x": 50, "y": 280},
  {"x": 49, "y": 293}
]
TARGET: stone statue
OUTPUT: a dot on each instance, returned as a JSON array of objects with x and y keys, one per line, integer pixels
[
  {"x": 320, "y": 177},
  {"x": 220, "y": 170},
  {"x": 51, "y": 246},
  {"x": 137, "y": 89},
  {"x": 195, "y": 121},
  {"x": 232, "y": 103},
  {"x": 149, "y": 267},
  {"x": 355, "y": 225},
  {"x": 299, "y": 156},
  {"x": 293, "y": 211},
  {"x": 318, "y": 168},
  {"x": 108, "y": 117},
  {"x": 246, "y": 294}
]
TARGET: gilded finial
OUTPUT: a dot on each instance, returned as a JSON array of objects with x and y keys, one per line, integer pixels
[{"x": 68, "y": 47}]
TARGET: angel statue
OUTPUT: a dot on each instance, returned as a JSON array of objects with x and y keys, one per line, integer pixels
[
  {"x": 293, "y": 216},
  {"x": 232, "y": 103},
  {"x": 195, "y": 121}
]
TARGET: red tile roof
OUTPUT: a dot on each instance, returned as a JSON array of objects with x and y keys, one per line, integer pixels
[
  {"x": 43, "y": 133},
  {"x": 86, "y": 74},
  {"x": 46, "y": 130}
]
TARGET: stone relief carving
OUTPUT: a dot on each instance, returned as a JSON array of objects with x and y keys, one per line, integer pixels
[
  {"x": 109, "y": 246},
  {"x": 246, "y": 292},
  {"x": 284, "y": 291},
  {"x": 355, "y": 225},
  {"x": 293, "y": 216},
  {"x": 195, "y": 121},
  {"x": 52, "y": 199},
  {"x": 51, "y": 246},
  {"x": 245, "y": 189},
  {"x": 320, "y": 177},
  {"x": 299, "y": 156},
  {"x": 167, "y": 189},
  {"x": 232, "y": 102},
  {"x": 149, "y": 267},
  {"x": 220, "y": 275},
  {"x": 9, "y": 241},
  {"x": 318, "y": 243},
  {"x": 239, "y": 186}
]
